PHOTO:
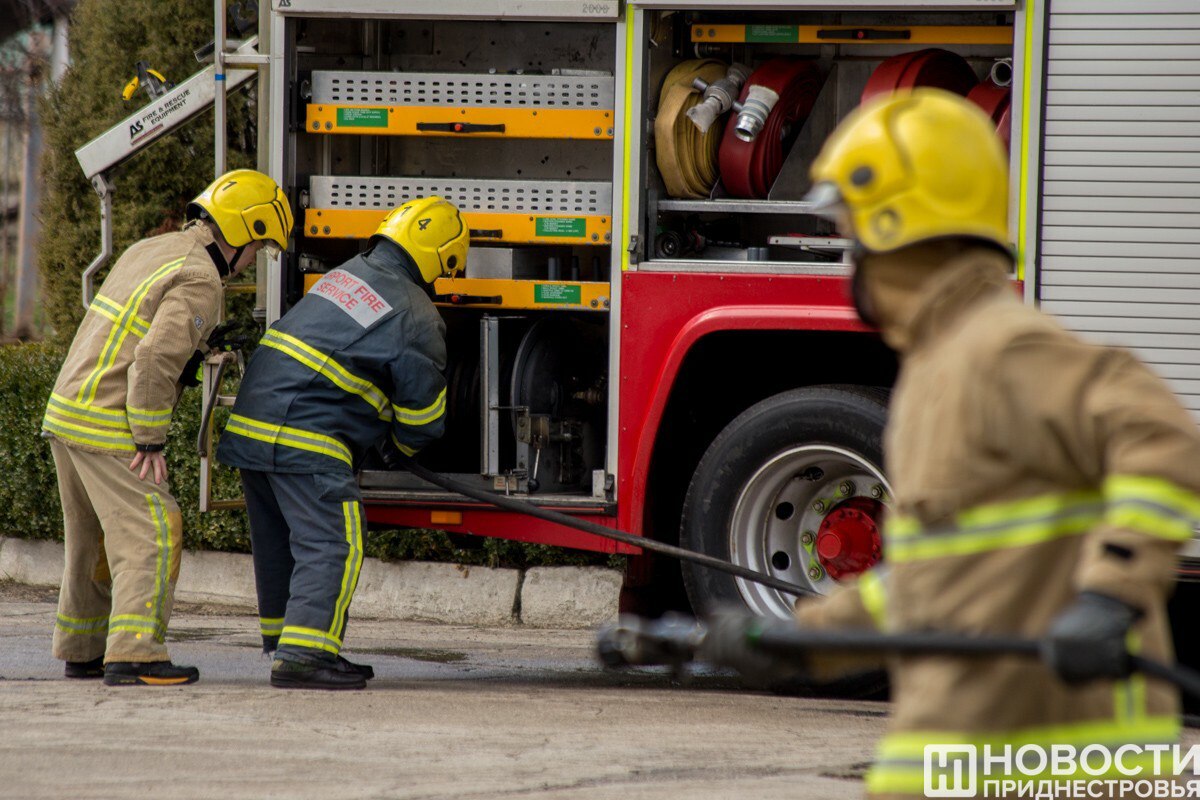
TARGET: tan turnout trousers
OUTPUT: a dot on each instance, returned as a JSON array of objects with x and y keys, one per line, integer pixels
[{"x": 116, "y": 600}]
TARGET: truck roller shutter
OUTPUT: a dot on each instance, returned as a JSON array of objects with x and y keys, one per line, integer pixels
[{"x": 1120, "y": 211}]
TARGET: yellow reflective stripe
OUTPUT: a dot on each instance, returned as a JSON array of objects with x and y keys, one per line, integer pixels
[
  {"x": 286, "y": 436},
  {"x": 116, "y": 336},
  {"x": 111, "y": 310},
  {"x": 137, "y": 623},
  {"x": 116, "y": 442},
  {"x": 162, "y": 541},
  {"x": 403, "y": 448},
  {"x": 995, "y": 526},
  {"x": 324, "y": 364},
  {"x": 1129, "y": 695},
  {"x": 900, "y": 757},
  {"x": 1153, "y": 506},
  {"x": 874, "y": 597},
  {"x": 270, "y": 626},
  {"x": 82, "y": 626},
  {"x": 351, "y": 514},
  {"x": 309, "y": 637},
  {"x": 150, "y": 418},
  {"x": 107, "y": 418},
  {"x": 421, "y": 416}
]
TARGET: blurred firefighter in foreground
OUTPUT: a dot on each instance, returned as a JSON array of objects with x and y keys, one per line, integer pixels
[
  {"x": 360, "y": 357},
  {"x": 142, "y": 337},
  {"x": 1042, "y": 484}
]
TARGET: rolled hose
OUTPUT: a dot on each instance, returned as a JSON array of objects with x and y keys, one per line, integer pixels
[
  {"x": 686, "y": 157},
  {"x": 933, "y": 67},
  {"x": 749, "y": 168},
  {"x": 522, "y": 507}
]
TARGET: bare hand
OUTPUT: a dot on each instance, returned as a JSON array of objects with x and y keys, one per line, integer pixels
[{"x": 154, "y": 462}]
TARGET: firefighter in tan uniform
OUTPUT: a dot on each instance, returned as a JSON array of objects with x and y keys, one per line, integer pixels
[
  {"x": 107, "y": 419},
  {"x": 1042, "y": 484}
]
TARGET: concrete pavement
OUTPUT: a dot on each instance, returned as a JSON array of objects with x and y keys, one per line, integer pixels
[{"x": 456, "y": 713}]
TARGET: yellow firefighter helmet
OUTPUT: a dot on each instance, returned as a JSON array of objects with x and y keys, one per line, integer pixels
[
  {"x": 247, "y": 206},
  {"x": 432, "y": 232},
  {"x": 911, "y": 167}
]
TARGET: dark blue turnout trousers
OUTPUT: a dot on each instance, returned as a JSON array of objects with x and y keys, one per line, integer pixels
[{"x": 306, "y": 531}]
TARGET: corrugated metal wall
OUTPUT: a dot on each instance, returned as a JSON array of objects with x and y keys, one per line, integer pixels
[{"x": 1120, "y": 223}]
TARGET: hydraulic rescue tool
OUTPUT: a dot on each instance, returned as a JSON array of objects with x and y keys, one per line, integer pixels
[
  {"x": 676, "y": 640},
  {"x": 777, "y": 646}
]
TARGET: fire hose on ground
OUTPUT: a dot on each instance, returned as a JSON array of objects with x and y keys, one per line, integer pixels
[{"x": 675, "y": 640}]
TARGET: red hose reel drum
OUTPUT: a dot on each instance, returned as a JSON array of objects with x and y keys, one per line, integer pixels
[
  {"x": 748, "y": 169},
  {"x": 996, "y": 102}
]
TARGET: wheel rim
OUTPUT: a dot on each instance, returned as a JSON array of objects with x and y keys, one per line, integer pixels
[{"x": 801, "y": 494}]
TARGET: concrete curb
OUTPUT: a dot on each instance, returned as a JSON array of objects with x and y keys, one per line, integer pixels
[{"x": 543, "y": 597}]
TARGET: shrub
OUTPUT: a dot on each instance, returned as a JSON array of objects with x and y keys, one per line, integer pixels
[{"x": 29, "y": 505}]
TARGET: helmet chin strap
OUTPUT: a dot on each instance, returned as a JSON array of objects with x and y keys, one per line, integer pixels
[{"x": 223, "y": 266}]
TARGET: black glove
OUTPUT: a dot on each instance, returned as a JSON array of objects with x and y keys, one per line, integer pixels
[
  {"x": 191, "y": 370},
  {"x": 729, "y": 642},
  {"x": 228, "y": 337},
  {"x": 1087, "y": 640}
]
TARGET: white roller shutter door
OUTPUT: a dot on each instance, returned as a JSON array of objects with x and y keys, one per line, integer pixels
[{"x": 1120, "y": 210}]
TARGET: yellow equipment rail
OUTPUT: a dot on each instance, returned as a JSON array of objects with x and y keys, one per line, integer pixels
[
  {"x": 519, "y": 294},
  {"x": 854, "y": 34},
  {"x": 353, "y": 223},
  {"x": 467, "y": 122}
]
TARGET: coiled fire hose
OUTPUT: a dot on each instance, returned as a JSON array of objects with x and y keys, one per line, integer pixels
[
  {"x": 775, "y": 102},
  {"x": 686, "y": 156},
  {"x": 942, "y": 69},
  {"x": 676, "y": 640},
  {"x": 522, "y": 507},
  {"x": 933, "y": 67}
]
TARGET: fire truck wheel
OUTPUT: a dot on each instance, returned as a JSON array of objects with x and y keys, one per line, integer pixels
[{"x": 793, "y": 487}]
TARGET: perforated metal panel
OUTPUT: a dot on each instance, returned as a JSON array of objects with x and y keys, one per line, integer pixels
[
  {"x": 452, "y": 89},
  {"x": 1120, "y": 214},
  {"x": 592, "y": 198}
]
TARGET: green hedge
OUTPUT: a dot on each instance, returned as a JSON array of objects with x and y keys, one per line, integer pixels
[{"x": 29, "y": 505}]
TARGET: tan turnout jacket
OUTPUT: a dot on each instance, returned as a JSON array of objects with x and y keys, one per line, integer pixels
[
  {"x": 120, "y": 380},
  {"x": 1027, "y": 466}
]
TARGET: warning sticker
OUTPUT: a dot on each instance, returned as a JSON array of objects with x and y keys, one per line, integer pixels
[
  {"x": 557, "y": 293},
  {"x": 362, "y": 117},
  {"x": 352, "y": 295},
  {"x": 575, "y": 227}
]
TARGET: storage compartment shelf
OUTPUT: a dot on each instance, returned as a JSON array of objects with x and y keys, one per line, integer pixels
[
  {"x": 522, "y": 294},
  {"x": 524, "y": 212},
  {"x": 462, "y": 105}
]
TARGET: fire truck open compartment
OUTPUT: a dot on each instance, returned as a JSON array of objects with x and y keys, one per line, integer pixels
[
  {"x": 514, "y": 122},
  {"x": 847, "y": 48}
]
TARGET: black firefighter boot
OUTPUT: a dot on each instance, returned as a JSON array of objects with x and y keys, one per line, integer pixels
[
  {"x": 151, "y": 673},
  {"x": 85, "y": 669},
  {"x": 301, "y": 675}
]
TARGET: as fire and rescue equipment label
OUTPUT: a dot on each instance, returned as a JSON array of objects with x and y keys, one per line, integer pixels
[
  {"x": 362, "y": 117},
  {"x": 557, "y": 293},
  {"x": 780, "y": 34},
  {"x": 353, "y": 296},
  {"x": 561, "y": 226}
]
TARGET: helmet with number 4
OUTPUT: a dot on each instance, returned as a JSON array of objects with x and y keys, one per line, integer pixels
[
  {"x": 911, "y": 167},
  {"x": 432, "y": 232}
]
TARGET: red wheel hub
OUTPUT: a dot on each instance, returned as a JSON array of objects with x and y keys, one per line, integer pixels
[{"x": 848, "y": 541}]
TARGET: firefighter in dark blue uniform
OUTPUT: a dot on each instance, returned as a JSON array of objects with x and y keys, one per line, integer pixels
[{"x": 359, "y": 360}]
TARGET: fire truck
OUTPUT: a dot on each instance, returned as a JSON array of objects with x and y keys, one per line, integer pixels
[{"x": 653, "y": 330}]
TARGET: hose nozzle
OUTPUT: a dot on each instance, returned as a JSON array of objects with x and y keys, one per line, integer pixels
[
  {"x": 719, "y": 96},
  {"x": 755, "y": 110}
]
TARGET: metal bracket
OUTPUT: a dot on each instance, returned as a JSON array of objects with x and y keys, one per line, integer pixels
[{"x": 104, "y": 189}]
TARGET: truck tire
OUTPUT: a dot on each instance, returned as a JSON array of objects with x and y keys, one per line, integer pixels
[{"x": 794, "y": 487}]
